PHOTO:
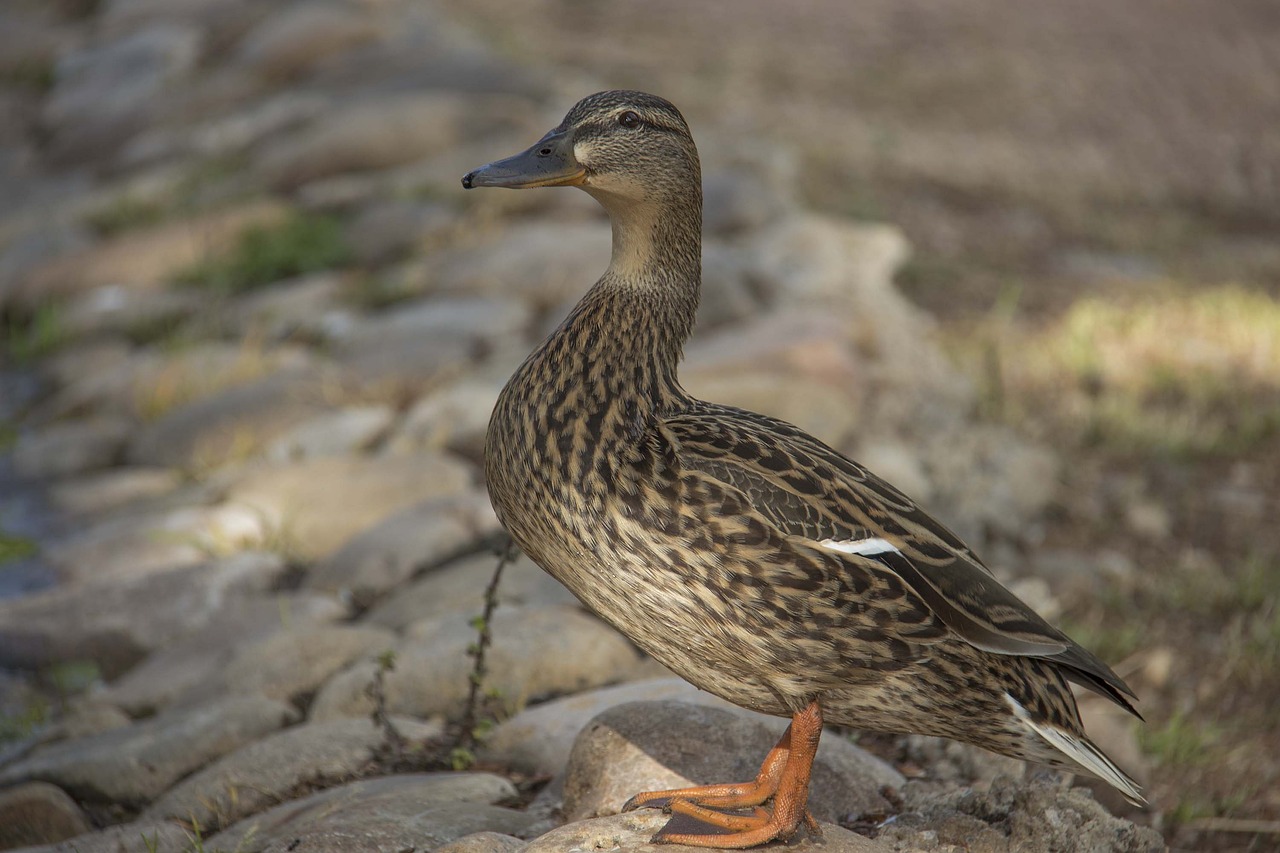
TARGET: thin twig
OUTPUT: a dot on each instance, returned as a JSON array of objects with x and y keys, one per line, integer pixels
[{"x": 467, "y": 738}]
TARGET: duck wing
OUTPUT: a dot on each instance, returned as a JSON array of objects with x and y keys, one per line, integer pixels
[{"x": 808, "y": 490}]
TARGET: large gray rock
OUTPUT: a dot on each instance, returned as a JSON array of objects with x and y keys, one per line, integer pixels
[
  {"x": 318, "y": 504},
  {"x": 409, "y": 812},
  {"x": 182, "y": 667},
  {"x": 536, "y": 651},
  {"x": 336, "y": 433},
  {"x": 375, "y": 133},
  {"x": 135, "y": 764},
  {"x": 294, "y": 38},
  {"x": 485, "y": 842},
  {"x": 72, "y": 447},
  {"x": 455, "y": 417},
  {"x": 459, "y": 588},
  {"x": 385, "y": 556},
  {"x": 38, "y": 813},
  {"x": 632, "y": 831},
  {"x": 110, "y": 490},
  {"x": 116, "y": 622},
  {"x": 647, "y": 746},
  {"x": 144, "y": 836},
  {"x": 1014, "y": 817},
  {"x": 262, "y": 774},
  {"x": 539, "y": 739}
]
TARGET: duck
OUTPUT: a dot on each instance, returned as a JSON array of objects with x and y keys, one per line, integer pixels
[{"x": 742, "y": 553}]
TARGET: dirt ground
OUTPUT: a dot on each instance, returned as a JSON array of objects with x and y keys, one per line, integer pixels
[{"x": 1093, "y": 193}]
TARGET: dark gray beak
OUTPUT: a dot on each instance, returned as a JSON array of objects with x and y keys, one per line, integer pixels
[{"x": 549, "y": 163}]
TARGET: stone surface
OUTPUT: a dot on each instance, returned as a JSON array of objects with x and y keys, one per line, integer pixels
[
  {"x": 646, "y": 746},
  {"x": 336, "y": 433},
  {"x": 116, "y": 622},
  {"x": 135, "y": 764},
  {"x": 419, "y": 812},
  {"x": 458, "y": 587},
  {"x": 539, "y": 739},
  {"x": 484, "y": 842},
  {"x": 182, "y": 667},
  {"x": 294, "y": 38},
  {"x": 140, "y": 837},
  {"x": 632, "y": 831},
  {"x": 536, "y": 651},
  {"x": 73, "y": 447},
  {"x": 387, "y": 555},
  {"x": 318, "y": 504},
  {"x": 264, "y": 773},
  {"x": 454, "y": 417},
  {"x": 109, "y": 490},
  {"x": 38, "y": 813}
]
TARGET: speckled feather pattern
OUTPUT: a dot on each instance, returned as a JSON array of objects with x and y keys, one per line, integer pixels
[{"x": 696, "y": 529}]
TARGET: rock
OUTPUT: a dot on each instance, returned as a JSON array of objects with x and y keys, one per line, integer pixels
[
  {"x": 231, "y": 424},
  {"x": 73, "y": 447},
  {"x": 116, "y": 622},
  {"x": 727, "y": 293},
  {"x": 738, "y": 201},
  {"x": 897, "y": 463},
  {"x": 139, "y": 837},
  {"x": 38, "y": 813},
  {"x": 407, "y": 812},
  {"x": 182, "y": 667},
  {"x": 458, "y": 587},
  {"x": 633, "y": 830},
  {"x": 484, "y": 842},
  {"x": 455, "y": 417},
  {"x": 155, "y": 541},
  {"x": 109, "y": 490},
  {"x": 538, "y": 740},
  {"x": 536, "y": 651},
  {"x": 334, "y": 434},
  {"x": 646, "y": 746},
  {"x": 540, "y": 264},
  {"x": 103, "y": 92},
  {"x": 386, "y": 230},
  {"x": 117, "y": 309},
  {"x": 318, "y": 504},
  {"x": 294, "y": 662},
  {"x": 264, "y": 773},
  {"x": 145, "y": 258},
  {"x": 294, "y": 38},
  {"x": 378, "y": 132},
  {"x": 135, "y": 764},
  {"x": 401, "y": 368},
  {"x": 304, "y": 307},
  {"x": 385, "y": 556},
  {"x": 87, "y": 715},
  {"x": 1027, "y": 818},
  {"x": 479, "y": 319}
]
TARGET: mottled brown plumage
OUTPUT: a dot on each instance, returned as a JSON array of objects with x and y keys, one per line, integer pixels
[{"x": 742, "y": 553}]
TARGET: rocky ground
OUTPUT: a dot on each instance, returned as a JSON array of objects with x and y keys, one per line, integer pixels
[{"x": 252, "y": 333}]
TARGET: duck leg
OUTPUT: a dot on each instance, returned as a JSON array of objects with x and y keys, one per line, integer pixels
[{"x": 697, "y": 820}]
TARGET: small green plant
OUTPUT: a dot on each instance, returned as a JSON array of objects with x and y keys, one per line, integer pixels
[
  {"x": 301, "y": 244},
  {"x": 15, "y": 547},
  {"x": 1181, "y": 741},
  {"x": 36, "y": 335},
  {"x": 126, "y": 212}
]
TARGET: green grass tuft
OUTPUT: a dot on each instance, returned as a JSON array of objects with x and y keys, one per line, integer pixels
[{"x": 302, "y": 244}]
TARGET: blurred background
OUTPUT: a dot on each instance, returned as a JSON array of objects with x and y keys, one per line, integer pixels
[{"x": 208, "y": 205}]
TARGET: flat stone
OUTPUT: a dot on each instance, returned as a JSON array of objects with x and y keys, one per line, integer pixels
[
  {"x": 459, "y": 586},
  {"x": 406, "y": 812},
  {"x": 540, "y": 264},
  {"x": 72, "y": 447},
  {"x": 478, "y": 319},
  {"x": 294, "y": 662},
  {"x": 97, "y": 493},
  {"x": 39, "y": 813},
  {"x": 455, "y": 417},
  {"x": 117, "y": 309},
  {"x": 375, "y": 133},
  {"x": 262, "y": 774},
  {"x": 180, "y": 668},
  {"x": 633, "y": 831},
  {"x": 337, "y": 433},
  {"x": 647, "y": 746},
  {"x": 231, "y": 424},
  {"x": 135, "y": 764},
  {"x": 536, "y": 651},
  {"x": 318, "y": 504},
  {"x": 402, "y": 367},
  {"x": 294, "y": 38},
  {"x": 140, "y": 837},
  {"x": 388, "y": 554},
  {"x": 388, "y": 229},
  {"x": 539, "y": 739},
  {"x": 117, "y": 622},
  {"x": 485, "y": 842},
  {"x": 130, "y": 545},
  {"x": 146, "y": 258},
  {"x": 296, "y": 307}
]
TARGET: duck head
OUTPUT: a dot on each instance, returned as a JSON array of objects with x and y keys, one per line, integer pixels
[{"x": 619, "y": 146}]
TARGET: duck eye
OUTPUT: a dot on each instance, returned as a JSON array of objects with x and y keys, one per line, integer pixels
[{"x": 629, "y": 119}]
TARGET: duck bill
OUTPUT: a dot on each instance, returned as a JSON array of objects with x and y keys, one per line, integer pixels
[{"x": 548, "y": 163}]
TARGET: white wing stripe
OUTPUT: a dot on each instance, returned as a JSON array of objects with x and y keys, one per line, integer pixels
[{"x": 864, "y": 547}]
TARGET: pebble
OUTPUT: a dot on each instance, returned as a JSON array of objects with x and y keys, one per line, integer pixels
[{"x": 38, "y": 813}]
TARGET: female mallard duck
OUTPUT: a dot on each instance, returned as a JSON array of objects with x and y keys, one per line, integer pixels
[{"x": 741, "y": 552}]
